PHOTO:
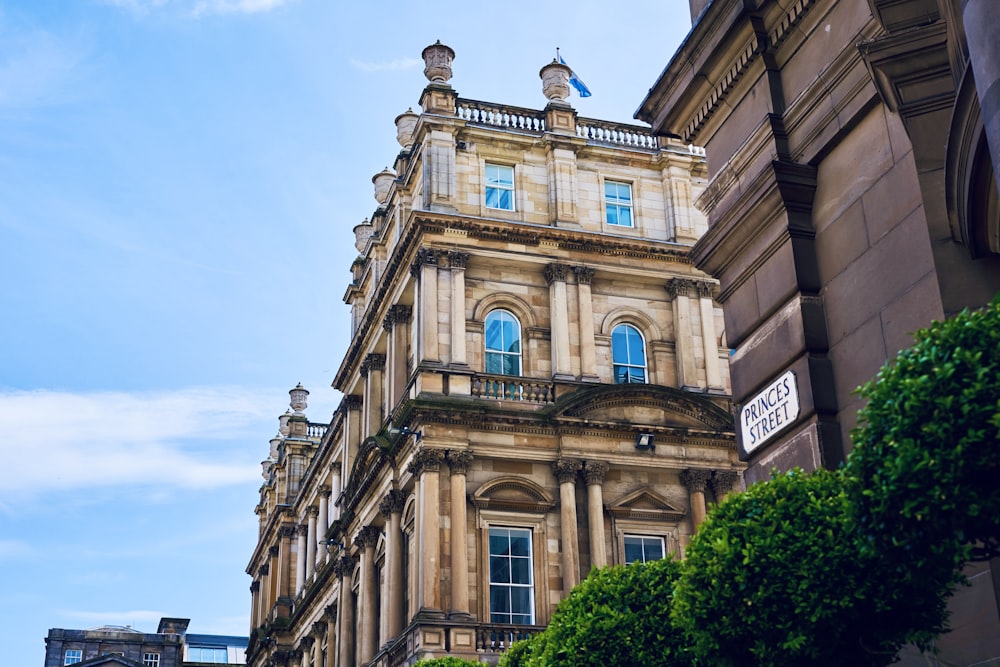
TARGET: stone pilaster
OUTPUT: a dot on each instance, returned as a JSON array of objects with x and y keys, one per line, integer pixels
[
  {"x": 555, "y": 275},
  {"x": 344, "y": 569},
  {"x": 372, "y": 369},
  {"x": 722, "y": 483},
  {"x": 313, "y": 514},
  {"x": 459, "y": 462},
  {"x": 588, "y": 354},
  {"x": 426, "y": 465},
  {"x": 457, "y": 261},
  {"x": 301, "y": 534},
  {"x": 391, "y": 507},
  {"x": 425, "y": 268},
  {"x": 396, "y": 323},
  {"x": 365, "y": 541},
  {"x": 682, "y": 289},
  {"x": 713, "y": 369},
  {"x": 594, "y": 472},
  {"x": 695, "y": 479},
  {"x": 335, "y": 492},
  {"x": 351, "y": 407},
  {"x": 566, "y": 471}
]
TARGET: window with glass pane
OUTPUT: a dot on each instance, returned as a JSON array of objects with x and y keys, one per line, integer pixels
[
  {"x": 642, "y": 549},
  {"x": 628, "y": 352},
  {"x": 511, "y": 582},
  {"x": 500, "y": 187},
  {"x": 208, "y": 654},
  {"x": 73, "y": 656},
  {"x": 503, "y": 343},
  {"x": 618, "y": 203},
  {"x": 151, "y": 660}
]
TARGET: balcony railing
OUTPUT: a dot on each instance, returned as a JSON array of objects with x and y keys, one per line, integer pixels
[
  {"x": 616, "y": 134},
  {"x": 314, "y": 430},
  {"x": 511, "y": 388},
  {"x": 500, "y": 115},
  {"x": 498, "y": 638}
]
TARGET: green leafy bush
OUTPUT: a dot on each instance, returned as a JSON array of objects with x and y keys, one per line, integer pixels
[
  {"x": 772, "y": 578},
  {"x": 619, "y": 615},
  {"x": 922, "y": 476},
  {"x": 447, "y": 661}
]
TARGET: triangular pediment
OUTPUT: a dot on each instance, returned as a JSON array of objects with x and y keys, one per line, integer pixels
[{"x": 646, "y": 504}]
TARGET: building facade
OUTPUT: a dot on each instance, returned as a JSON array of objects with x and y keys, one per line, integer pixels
[
  {"x": 853, "y": 149},
  {"x": 169, "y": 646},
  {"x": 537, "y": 385}
]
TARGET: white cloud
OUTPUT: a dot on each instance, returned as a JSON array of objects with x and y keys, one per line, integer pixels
[
  {"x": 202, "y": 437},
  {"x": 392, "y": 65}
]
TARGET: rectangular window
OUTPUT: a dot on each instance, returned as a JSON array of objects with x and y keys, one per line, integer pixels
[
  {"x": 512, "y": 590},
  {"x": 73, "y": 656},
  {"x": 642, "y": 548},
  {"x": 150, "y": 660},
  {"x": 207, "y": 654},
  {"x": 500, "y": 187},
  {"x": 618, "y": 203}
]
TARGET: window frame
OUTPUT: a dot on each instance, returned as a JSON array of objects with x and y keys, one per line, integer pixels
[
  {"x": 629, "y": 366},
  {"x": 643, "y": 537},
  {"x": 503, "y": 353},
  {"x": 78, "y": 654},
  {"x": 499, "y": 187},
  {"x": 150, "y": 659},
  {"x": 511, "y": 586},
  {"x": 535, "y": 523},
  {"x": 214, "y": 649},
  {"x": 618, "y": 204}
]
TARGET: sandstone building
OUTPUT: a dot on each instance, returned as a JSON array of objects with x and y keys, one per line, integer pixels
[
  {"x": 537, "y": 384},
  {"x": 853, "y": 151}
]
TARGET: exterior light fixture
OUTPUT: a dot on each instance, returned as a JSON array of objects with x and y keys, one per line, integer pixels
[{"x": 644, "y": 442}]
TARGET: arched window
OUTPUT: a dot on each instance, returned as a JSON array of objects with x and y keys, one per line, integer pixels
[
  {"x": 628, "y": 352},
  {"x": 503, "y": 343}
]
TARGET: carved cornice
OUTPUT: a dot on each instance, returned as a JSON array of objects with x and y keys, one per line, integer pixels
[
  {"x": 565, "y": 470},
  {"x": 584, "y": 274},
  {"x": 695, "y": 479},
  {"x": 723, "y": 480},
  {"x": 459, "y": 461},
  {"x": 392, "y": 503},
  {"x": 556, "y": 272},
  {"x": 594, "y": 471},
  {"x": 367, "y": 537}
]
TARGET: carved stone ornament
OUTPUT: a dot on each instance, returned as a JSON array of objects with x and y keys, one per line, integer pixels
[
  {"x": 255, "y": 586},
  {"x": 594, "y": 471},
  {"x": 367, "y": 537},
  {"x": 406, "y": 122},
  {"x": 263, "y": 570},
  {"x": 565, "y": 470},
  {"x": 344, "y": 566},
  {"x": 426, "y": 460},
  {"x": 424, "y": 256},
  {"x": 584, "y": 274},
  {"x": 392, "y": 503},
  {"x": 437, "y": 62},
  {"x": 374, "y": 362},
  {"x": 705, "y": 289},
  {"x": 319, "y": 628},
  {"x": 680, "y": 287},
  {"x": 312, "y": 511},
  {"x": 363, "y": 232},
  {"x": 555, "y": 81},
  {"x": 695, "y": 479},
  {"x": 458, "y": 260},
  {"x": 398, "y": 314},
  {"x": 307, "y": 642},
  {"x": 287, "y": 531},
  {"x": 299, "y": 396},
  {"x": 459, "y": 462},
  {"x": 351, "y": 402},
  {"x": 273, "y": 551},
  {"x": 723, "y": 481},
  {"x": 555, "y": 272},
  {"x": 383, "y": 183}
]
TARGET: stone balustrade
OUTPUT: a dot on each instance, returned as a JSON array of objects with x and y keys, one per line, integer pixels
[{"x": 511, "y": 388}]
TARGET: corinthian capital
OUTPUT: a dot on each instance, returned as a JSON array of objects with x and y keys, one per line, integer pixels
[
  {"x": 565, "y": 470},
  {"x": 695, "y": 479}
]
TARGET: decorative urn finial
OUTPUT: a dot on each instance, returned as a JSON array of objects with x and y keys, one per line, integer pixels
[
  {"x": 555, "y": 81},
  {"x": 362, "y": 232},
  {"x": 299, "y": 396},
  {"x": 405, "y": 124},
  {"x": 437, "y": 62},
  {"x": 383, "y": 181}
]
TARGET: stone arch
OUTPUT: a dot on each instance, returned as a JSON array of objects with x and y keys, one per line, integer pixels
[
  {"x": 511, "y": 493},
  {"x": 625, "y": 315},
  {"x": 506, "y": 301}
]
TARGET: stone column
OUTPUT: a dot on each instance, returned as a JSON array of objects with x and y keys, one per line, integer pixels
[
  {"x": 391, "y": 508},
  {"x": 334, "y": 494},
  {"x": 273, "y": 579},
  {"x": 371, "y": 369},
  {"x": 713, "y": 370},
  {"x": 300, "y": 558},
  {"x": 322, "y": 524},
  {"x": 594, "y": 472},
  {"x": 427, "y": 464},
  {"x": 344, "y": 569},
  {"x": 694, "y": 479},
  {"x": 331, "y": 635},
  {"x": 979, "y": 18},
  {"x": 266, "y": 590},
  {"x": 687, "y": 373},
  {"x": 459, "y": 463},
  {"x": 313, "y": 514},
  {"x": 365, "y": 541},
  {"x": 395, "y": 323},
  {"x": 351, "y": 405},
  {"x": 255, "y": 605},
  {"x": 555, "y": 275},
  {"x": 458, "y": 261},
  {"x": 425, "y": 268},
  {"x": 305, "y": 651},
  {"x": 286, "y": 533},
  {"x": 588, "y": 355},
  {"x": 722, "y": 483},
  {"x": 565, "y": 471}
]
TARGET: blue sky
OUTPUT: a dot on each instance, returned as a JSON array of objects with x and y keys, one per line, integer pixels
[{"x": 178, "y": 184}]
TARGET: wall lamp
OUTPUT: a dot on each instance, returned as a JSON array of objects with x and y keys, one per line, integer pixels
[
  {"x": 404, "y": 431},
  {"x": 644, "y": 442},
  {"x": 337, "y": 542}
]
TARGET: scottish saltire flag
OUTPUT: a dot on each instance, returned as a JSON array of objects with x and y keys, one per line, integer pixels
[{"x": 575, "y": 81}]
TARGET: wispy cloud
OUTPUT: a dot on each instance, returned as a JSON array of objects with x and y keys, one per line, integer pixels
[
  {"x": 389, "y": 66},
  {"x": 181, "y": 439},
  {"x": 37, "y": 67}
]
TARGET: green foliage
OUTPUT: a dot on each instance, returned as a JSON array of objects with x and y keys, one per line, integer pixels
[
  {"x": 772, "y": 578},
  {"x": 922, "y": 478},
  {"x": 519, "y": 652},
  {"x": 447, "y": 661},
  {"x": 619, "y": 615}
]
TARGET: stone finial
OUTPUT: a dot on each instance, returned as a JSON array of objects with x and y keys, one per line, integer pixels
[
  {"x": 283, "y": 423},
  {"x": 362, "y": 232},
  {"x": 437, "y": 62},
  {"x": 406, "y": 122},
  {"x": 383, "y": 181},
  {"x": 555, "y": 81},
  {"x": 275, "y": 442},
  {"x": 299, "y": 400},
  {"x": 265, "y": 469}
]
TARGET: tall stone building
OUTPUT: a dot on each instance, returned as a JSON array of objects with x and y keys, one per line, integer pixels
[
  {"x": 537, "y": 385},
  {"x": 853, "y": 155}
]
